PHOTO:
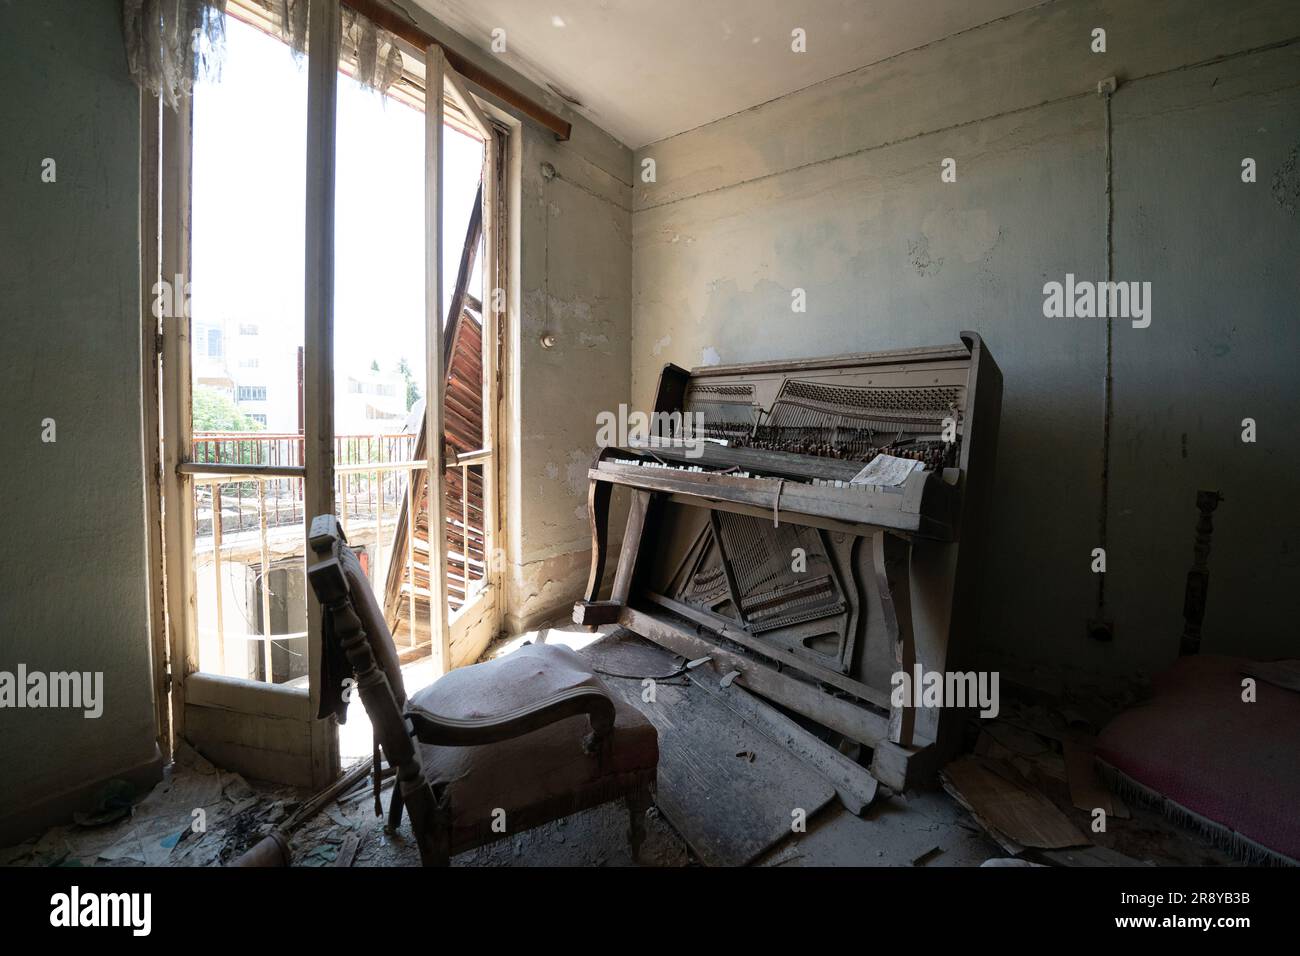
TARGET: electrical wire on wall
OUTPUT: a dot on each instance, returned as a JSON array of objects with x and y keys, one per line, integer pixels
[{"x": 1106, "y": 89}]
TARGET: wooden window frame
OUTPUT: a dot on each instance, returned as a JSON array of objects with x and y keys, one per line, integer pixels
[{"x": 165, "y": 238}]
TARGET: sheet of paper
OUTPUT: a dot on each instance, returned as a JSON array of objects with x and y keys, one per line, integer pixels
[{"x": 886, "y": 470}]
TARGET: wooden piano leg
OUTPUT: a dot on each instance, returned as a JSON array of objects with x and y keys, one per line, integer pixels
[
  {"x": 891, "y": 559},
  {"x": 631, "y": 547},
  {"x": 590, "y": 612},
  {"x": 598, "y": 493}
]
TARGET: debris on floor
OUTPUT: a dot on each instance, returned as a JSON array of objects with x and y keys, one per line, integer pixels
[
  {"x": 197, "y": 815},
  {"x": 1027, "y": 796},
  {"x": 727, "y": 786},
  {"x": 1034, "y": 786},
  {"x": 1014, "y": 812}
]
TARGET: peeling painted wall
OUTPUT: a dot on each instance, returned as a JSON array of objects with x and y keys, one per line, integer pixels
[
  {"x": 72, "y": 570},
  {"x": 575, "y": 285},
  {"x": 836, "y": 190}
]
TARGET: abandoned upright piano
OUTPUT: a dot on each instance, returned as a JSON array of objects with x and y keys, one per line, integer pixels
[{"x": 819, "y": 536}]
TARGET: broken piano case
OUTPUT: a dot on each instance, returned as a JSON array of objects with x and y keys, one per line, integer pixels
[{"x": 754, "y": 547}]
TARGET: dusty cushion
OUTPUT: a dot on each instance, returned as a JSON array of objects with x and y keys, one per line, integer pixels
[
  {"x": 1197, "y": 744},
  {"x": 543, "y": 770}
]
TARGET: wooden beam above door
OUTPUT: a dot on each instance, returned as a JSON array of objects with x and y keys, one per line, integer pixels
[{"x": 384, "y": 16}]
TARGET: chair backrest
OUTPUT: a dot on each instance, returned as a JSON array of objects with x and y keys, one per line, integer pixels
[
  {"x": 328, "y": 541},
  {"x": 357, "y": 641}
]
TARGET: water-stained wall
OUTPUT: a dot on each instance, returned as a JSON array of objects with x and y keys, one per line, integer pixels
[{"x": 837, "y": 190}]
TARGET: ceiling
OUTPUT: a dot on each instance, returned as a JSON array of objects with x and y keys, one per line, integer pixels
[{"x": 646, "y": 69}]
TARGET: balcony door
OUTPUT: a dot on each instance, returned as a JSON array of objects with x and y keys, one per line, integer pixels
[{"x": 316, "y": 325}]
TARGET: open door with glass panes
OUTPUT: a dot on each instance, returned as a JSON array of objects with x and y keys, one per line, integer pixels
[
  {"x": 464, "y": 361},
  {"x": 313, "y": 351}
]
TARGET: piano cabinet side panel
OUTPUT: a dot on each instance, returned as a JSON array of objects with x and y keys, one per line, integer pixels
[
  {"x": 980, "y": 458},
  {"x": 933, "y": 570},
  {"x": 670, "y": 396},
  {"x": 934, "y": 567},
  {"x": 947, "y": 579},
  {"x": 946, "y": 576}
]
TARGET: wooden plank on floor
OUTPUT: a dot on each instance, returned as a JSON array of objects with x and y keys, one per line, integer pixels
[
  {"x": 1086, "y": 788},
  {"x": 1015, "y": 814},
  {"x": 855, "y": 786},
  {"x": 728, "y": 788}
]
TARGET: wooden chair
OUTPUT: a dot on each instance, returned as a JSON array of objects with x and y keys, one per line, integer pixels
[{"x": 488, "y": 750}]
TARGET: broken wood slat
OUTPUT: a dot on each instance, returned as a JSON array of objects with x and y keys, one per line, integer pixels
[
  {"x": 348, "y": 851},
  {"x": 273, "y": 850},
  {"x": 729, "y": 629},
  {"x": 852, "y": 720},
  {"x": 854, "y": 784},
  {"x": 1013, "y": 813},
  {"x": 463, "y": 420},
  {"x": 331, "y": 793},
  {"x": 728, "y": 807},
  {"x": 1087, "y": 791},
  {"x": 1034, "y": 756}
]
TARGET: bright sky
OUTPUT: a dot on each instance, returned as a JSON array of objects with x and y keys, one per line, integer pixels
[{"x": 249, "y": 183}]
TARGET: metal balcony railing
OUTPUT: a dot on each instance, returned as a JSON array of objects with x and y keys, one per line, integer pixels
[{"x": 248, "y": 508}]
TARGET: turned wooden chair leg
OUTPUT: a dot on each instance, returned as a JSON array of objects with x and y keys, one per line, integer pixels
[
  {"x": 638, "y": 802},
  {"x": 394, "y": 810}
]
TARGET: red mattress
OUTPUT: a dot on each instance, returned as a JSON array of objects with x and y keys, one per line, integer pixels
[{"x": 1197, "y": 744}]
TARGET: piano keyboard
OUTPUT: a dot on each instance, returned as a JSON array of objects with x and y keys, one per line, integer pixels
[{"x": 696, "y": 469}]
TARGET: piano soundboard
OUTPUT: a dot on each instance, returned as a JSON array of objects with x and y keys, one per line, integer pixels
[{"x": 813, "y": 525}]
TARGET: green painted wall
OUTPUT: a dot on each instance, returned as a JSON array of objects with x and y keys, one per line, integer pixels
[{"x": 72, "y": 565}]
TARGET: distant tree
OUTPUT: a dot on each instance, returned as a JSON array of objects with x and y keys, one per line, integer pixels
[
  {"x": 412, "y": 390},
  {"x": 374, "y": 365},
  {"x": 213, "y": 411}
]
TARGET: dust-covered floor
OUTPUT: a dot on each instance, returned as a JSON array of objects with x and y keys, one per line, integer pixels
[{"x": 202, "y": 815}]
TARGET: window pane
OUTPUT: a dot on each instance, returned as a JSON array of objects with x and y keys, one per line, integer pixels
[
  {"x": 463, "y": 413},
  {"x": 248, "y": 212},
  {"x": 379, "y": 337}
]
